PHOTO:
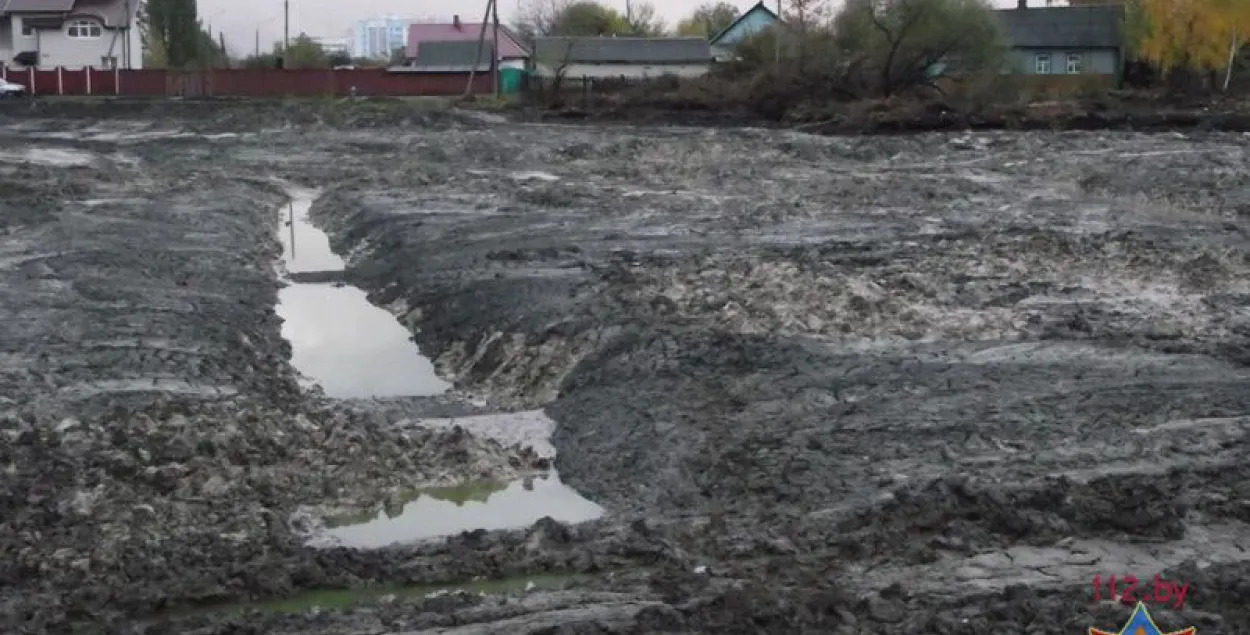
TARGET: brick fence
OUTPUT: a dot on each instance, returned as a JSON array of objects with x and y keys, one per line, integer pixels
[{"x": 318, "y": 82}]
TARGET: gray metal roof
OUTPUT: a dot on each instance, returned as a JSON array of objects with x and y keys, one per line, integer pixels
[
  {"x": 452, "y": 57},
  {"x": 623, "y": 50},
  {"x": 34, "y": 6},
  {"x": 1096, "y": 26},
  {"x": 111, "y": 12}
]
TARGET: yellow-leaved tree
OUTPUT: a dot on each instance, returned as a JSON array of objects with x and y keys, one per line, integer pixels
[{"x": 1198, "y": 35}]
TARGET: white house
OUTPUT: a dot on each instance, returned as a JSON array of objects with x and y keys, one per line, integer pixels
[
  {"x": 70, "y": 33},
  {"x": 627, "y": 57}
]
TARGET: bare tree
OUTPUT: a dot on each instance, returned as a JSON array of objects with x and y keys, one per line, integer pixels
[
  {"x": 641, "y": 19},
  {"x": 537, "y": 18},
  {"x": 806, "y": 15},
  {"x": 902, "y": 42}
]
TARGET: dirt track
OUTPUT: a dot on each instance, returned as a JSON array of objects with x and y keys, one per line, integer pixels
[{"x": 925, "y": 384}]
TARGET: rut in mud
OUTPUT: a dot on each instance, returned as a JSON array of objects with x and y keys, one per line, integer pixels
[{"x": 890, "y": 385}]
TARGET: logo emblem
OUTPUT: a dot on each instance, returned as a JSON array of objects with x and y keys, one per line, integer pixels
[{"x": 1140, "y": 623}]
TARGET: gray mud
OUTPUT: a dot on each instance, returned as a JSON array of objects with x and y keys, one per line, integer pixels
[{"x": 926, "y": 384}]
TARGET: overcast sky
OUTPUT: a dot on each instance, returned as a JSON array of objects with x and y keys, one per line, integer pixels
[{"x": 240, "y": 19}]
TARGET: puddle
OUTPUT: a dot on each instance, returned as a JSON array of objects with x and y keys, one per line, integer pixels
[
  {"x": 347, "y": 598},
  {"x": 339, "y": 340},
  {"x": 355, "y": 350},
  {"x": 449, "y": 511},
  {"x": 458, "y": 495},
  {"x": 351, "y": 348},
  {"x": 304, "y": 247}
]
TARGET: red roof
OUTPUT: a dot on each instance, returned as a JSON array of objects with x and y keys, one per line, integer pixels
[{"x": 509, "y": 48}]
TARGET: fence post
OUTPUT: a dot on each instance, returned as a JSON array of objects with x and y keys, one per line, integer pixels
[
  {"x": 117, "y": 80},
  {"x": 60, "y": 81},
  {"x": 32, "y": 80},
  {"x": 86, "y": 71},
  {"x": 4, "y": 72}
]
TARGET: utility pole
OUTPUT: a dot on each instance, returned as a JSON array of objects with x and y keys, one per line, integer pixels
[
  {"x": 257, "y": 43},
  {"x": 481, "y": 39},
  {"x": 494, "y": 56},
  {"x": 130, "y": 19},
  {"x": 777, "y": 38},
  {"x": 286, "y": 26},
  {"x": 221, "y": 40}
]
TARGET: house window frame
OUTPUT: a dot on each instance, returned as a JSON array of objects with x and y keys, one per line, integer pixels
[
  {"x": 1041, "y": 64},
  {"x": 27, "y": 30},
  {"x": 84, "y": 29},
  {"x": 108, "y": 62},
  {"x": 1078, "y": 67}
]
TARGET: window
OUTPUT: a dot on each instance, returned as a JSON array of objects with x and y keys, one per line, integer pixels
[
  {"x": 27, "y": 30},
  {"x": 84, "y": 29},
  {"x": 1076, "y": 63},
  {"x": 1041, "y": 64},
  {"x": 108, "y": 62}
]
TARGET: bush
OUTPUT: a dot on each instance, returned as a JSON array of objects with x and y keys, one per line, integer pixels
[{"x": 920, "y": 50}]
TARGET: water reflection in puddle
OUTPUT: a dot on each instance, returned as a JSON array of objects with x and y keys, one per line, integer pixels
[
  {"x": 341, "y": 342},
  {"x": 304, "y": 247},
  {"x": 449, "y": 511},
  {"x": 351, "y": 348}
]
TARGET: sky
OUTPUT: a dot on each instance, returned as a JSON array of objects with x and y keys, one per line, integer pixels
[{"x": 241, "y": 19}]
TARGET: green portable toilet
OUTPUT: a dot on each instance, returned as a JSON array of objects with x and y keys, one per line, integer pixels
[{"x": 510, "y": 80}]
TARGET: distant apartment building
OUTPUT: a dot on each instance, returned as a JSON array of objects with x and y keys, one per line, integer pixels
[
  {"x": 379, "y": 37},
  {"x": 334, "y": 44}
]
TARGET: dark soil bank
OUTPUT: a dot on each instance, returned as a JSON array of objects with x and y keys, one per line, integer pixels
[
  {"x": 899, "y": 385},
  {"x": 908, "y": 116}
]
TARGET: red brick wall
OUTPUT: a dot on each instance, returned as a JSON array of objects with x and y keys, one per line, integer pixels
[{"x": 244, "y": 82}]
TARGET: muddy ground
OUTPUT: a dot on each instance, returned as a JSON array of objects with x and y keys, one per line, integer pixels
[{"x": 913, "y": 384}]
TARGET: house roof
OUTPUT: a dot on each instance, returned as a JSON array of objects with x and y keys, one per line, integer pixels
[
  {"x": 1094, "y": 26},
  {"x": 509, "y": 46},
  {"x": 759, "y": 6},
  {"x": 37, "y": 6},
  {"x": 111, "y": 12},
  {"x": 452, "y": 57},
  {"x": 623, "y": 50}
]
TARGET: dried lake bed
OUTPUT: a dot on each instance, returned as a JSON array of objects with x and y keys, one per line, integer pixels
[{"x": 531, "y": 378}]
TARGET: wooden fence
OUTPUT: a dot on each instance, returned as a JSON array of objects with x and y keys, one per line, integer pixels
[{"x": 372, "y": 82}]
